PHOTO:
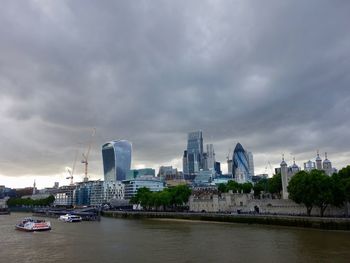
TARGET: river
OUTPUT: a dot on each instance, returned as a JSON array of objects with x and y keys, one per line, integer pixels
[{"x": 132, "y": 240}]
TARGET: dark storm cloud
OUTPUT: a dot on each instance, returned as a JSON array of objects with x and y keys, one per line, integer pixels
[{"x": 273, "y": 75}]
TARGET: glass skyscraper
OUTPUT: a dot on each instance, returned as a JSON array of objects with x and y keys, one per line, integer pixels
[
  {"x": 116, "y": 157},
  {"x": 240, "y": 165},
  {"x": 194, "y": 152}
]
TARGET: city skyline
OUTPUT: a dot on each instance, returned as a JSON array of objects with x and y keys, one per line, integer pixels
[{"x": 272, "y": 76}]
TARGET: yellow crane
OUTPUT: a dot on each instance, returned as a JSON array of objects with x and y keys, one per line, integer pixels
[{"x": 86, "y": 156}]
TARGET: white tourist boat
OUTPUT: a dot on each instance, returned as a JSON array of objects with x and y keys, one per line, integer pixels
[
  {"x": 31, "y": 225},
  {"x": 70, "y": 218}
]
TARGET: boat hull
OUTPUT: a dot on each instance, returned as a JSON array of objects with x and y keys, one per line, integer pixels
[{"x": 21, "y": 228}]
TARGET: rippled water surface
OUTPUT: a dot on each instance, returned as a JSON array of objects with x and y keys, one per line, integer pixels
[{"x": 125, "y": 240}]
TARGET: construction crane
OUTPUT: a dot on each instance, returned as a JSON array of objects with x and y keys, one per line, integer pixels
[
  {"x": 71, "y": 171},
  {"x": 86, "y": 156}
]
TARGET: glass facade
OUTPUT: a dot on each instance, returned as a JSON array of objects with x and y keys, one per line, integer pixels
[
  {"x": 131, "y": 186},
  {"x": 116, "y": 157},
  {"x": 194, "y": 152},
  {"x": 240, "y": 165},
  {"x": 89, "y": 193}
]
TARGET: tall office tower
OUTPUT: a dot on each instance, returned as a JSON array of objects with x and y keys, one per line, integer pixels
[
  {"x": 327, "y": 166},
  {"x": 116, "y": 157},
  {"x": 210, "y": 160},
  {"x": 250, "y": 163},
  {"x": 318, "y": 162},
  {"x": 205, "y": 161},
  {"x": 229, "y": 166},
  {"x": 194, "y": 152},
  {"x": 217, "y": 168},
  {"x": 184, "y": 163},
  {"x": 240, "y": 166}
]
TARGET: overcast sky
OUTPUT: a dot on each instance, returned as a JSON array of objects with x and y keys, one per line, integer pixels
[{"x": 273, "y": 75}]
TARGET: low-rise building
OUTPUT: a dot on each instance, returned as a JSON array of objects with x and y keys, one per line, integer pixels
[
  {"x": 113, "y": 190},
  {"x": 152, "y": 183},
  {"x": 204, "y": 177},
  {"x": 64, "y": 196},
  {"x": 3, "y": 202},
  {"x": 90, "y": 193}
]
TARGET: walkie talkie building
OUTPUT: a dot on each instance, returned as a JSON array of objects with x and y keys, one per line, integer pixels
[{"x": 116, "y": 157}]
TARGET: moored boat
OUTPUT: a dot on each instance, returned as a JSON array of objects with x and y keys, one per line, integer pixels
[
  {"x": 70, "y": 218},
  {"x": 31, "y": 225}
]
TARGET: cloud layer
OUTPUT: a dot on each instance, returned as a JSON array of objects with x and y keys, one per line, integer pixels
[{"x": 273, "y": 75}]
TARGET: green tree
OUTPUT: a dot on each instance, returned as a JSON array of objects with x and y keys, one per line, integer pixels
[
  {"x": 175, "y": 197},
  {"x": 261, "y": 186},
  {"x": 142, "y": 197},
  {"x": 312, "y": 189},
  {"x": 165, "y": 198},
  {"x": 233, "y": 186},
  {"x": 179, "y": 195},
  {"x": 275, "y": 184},
  {"x": 247, "y": 187},
  {"x": 222, "y": 188},
  {"x": 344, "y": 173},
  {"x": 346, "y": 187},
  {"x": 323, "y": 189},
  {"x": 341, "y": 186},
  {"x": 301, "y": 190}
]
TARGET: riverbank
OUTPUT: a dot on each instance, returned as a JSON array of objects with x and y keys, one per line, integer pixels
[{"x": 279, "y": 220}]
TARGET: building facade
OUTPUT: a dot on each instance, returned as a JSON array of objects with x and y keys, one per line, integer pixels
[
  {"x": 210, "y": 158},
  {"x": 240, "y": 165},
  {"x": 194, "y": 152},
  {"x": 116, "y": 157},
  {"x": 250, "y": 164},
  {"x": 64, "y": 196},
  {"x": 135, "y": 173},
  {"x": 131, "y": 186},
  {"x": 90, "y": 193},
  {"x": 113, "y": 191}
]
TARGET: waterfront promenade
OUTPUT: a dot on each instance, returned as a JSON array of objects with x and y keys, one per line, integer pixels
[{"x": 329, "y": 223}]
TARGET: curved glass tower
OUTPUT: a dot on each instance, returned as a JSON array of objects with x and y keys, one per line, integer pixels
[
  {"x": 116, "y": 157},
  {"x": 240, "y": 165}
]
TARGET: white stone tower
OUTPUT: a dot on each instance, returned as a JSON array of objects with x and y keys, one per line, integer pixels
[
  {"x": 34, "y": 188},
  {"x": 284, "y": 177}
]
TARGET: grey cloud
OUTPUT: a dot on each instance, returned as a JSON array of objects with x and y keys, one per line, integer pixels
[{"x": 273, "y": 75}]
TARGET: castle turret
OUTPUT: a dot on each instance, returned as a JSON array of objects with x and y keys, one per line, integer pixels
[
  {"x": 327, "y": 166},
  {"x": 284, "y": 177},
  {"x": 295, "y": 168},
  {"x": 318, "y": 162}
]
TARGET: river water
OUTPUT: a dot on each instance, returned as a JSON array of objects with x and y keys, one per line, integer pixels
[{"x": 131, "y": 240}]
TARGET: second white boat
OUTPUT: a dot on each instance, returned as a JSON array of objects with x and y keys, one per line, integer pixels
[{"x": 70, "y": 218}]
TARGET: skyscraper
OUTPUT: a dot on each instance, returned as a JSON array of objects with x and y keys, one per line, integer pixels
[
  {"x": 184, "y": 163},
  {"x": 194, "y": 152},
  {"x": 210, "y": 160},
  {"x": 240, "y": 165},
  {"x": 116, "y": 157},
  {"x": 251, "y": 164}
]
